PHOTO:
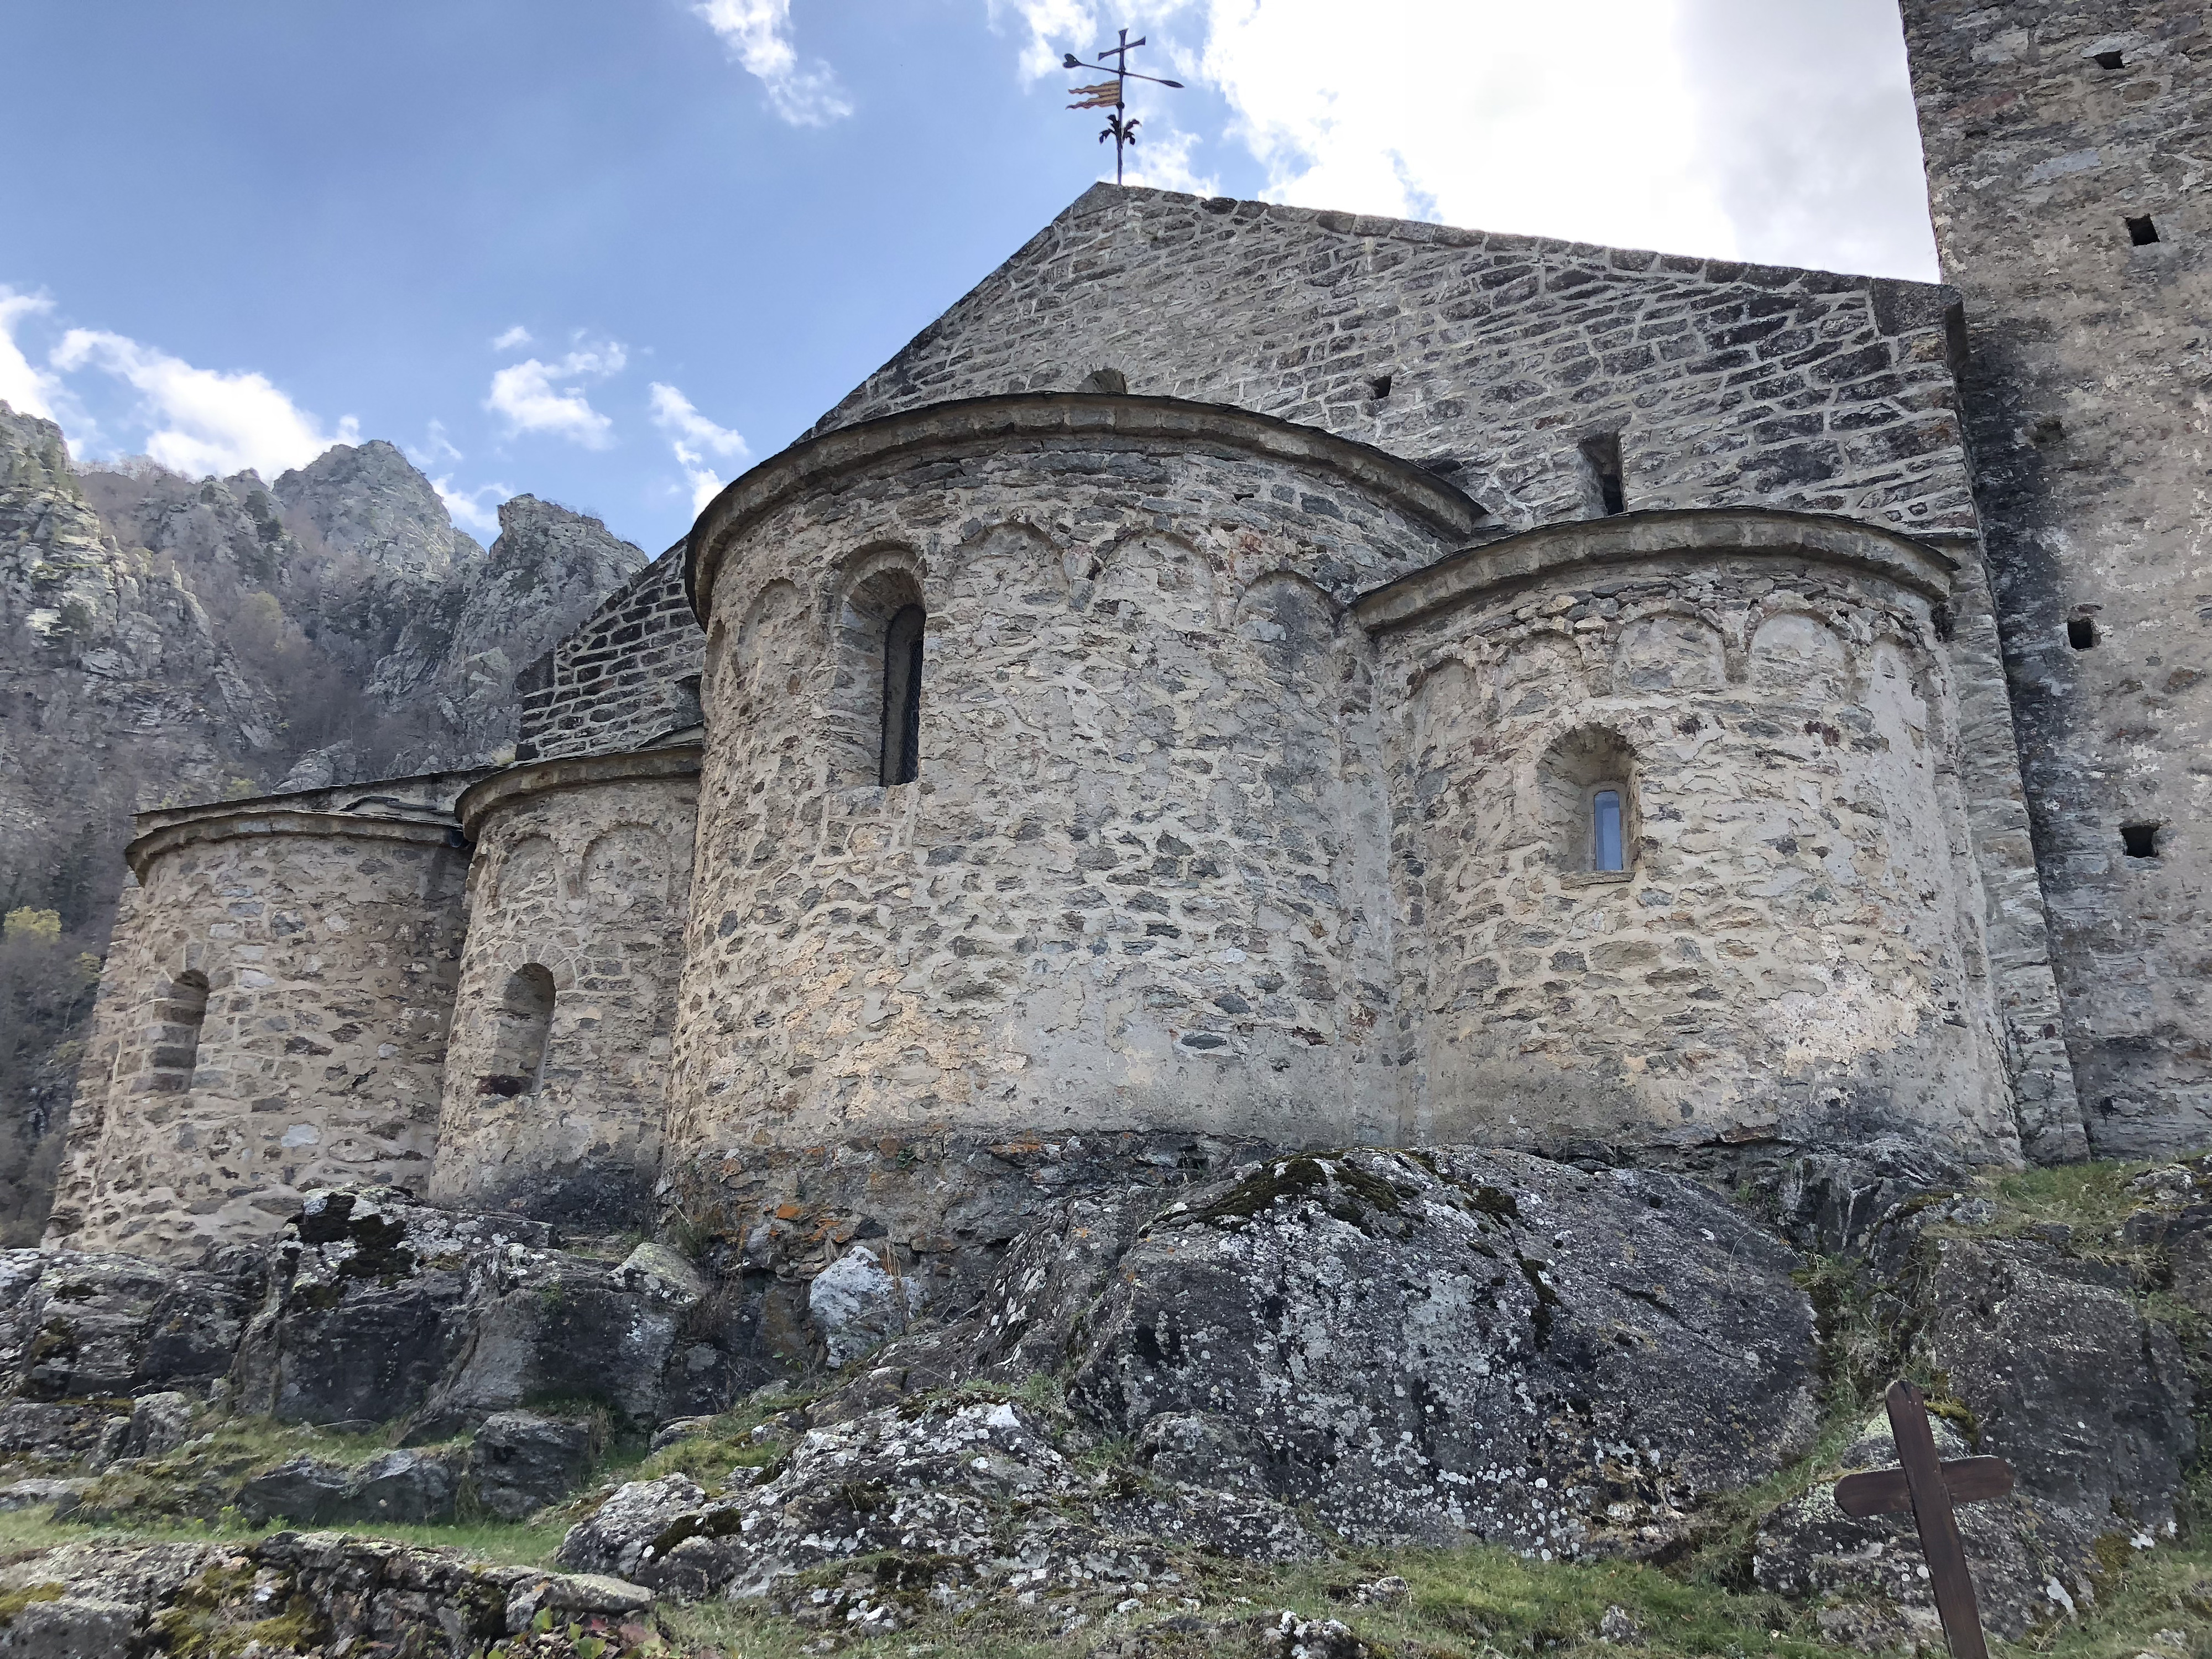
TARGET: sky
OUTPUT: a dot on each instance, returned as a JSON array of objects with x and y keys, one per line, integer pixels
[{"x": 613, "y": 252}]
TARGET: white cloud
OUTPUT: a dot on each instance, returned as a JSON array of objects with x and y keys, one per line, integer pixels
[
  {"x": 1160, "y": 159},
  {"x": 514, "y": 339},
  {"x": 205, "y": 421},
  {"x": 473, "y": 509},
  {"x": 1806, "y": 129},
  {"x": 1732, "y": 128},
  {"x": 24, "y": 387},
  {"x": 758, "y": 35},
  {"x": 531, "y": 397},
  {"x": 693, "y": 436},
  {"x": 436, "y": 446}
]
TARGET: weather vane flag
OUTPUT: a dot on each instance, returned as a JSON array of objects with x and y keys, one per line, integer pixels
[{"x": 1114, "y": 94}]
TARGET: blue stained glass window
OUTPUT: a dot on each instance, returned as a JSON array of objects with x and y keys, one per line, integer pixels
[{"x": 1605, "y": 830}]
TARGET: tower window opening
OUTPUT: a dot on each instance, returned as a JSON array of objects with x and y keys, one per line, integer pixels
[
  {"x": 2142, "y": 232},
  {"x": 2081, "y": 633},
  {"x": 902, "y": 739},
  {"x": 179, "y": 1017},
  {"x": 2110, "y": 60},
  {"x": 1605, "y": 844},
  {"x": 2139, "y": 841},
  {"x": 1602, "y": 495},
  {"x": 522, "y": 1031}
]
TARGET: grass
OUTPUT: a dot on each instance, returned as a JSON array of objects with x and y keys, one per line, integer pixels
[
  {"x": 2094, "y": 1199},
  {"x": 25, "y": 1531},
  {"x": 723, "y": 1445},
  {"x": 199, "y": 1477},
  {"x": 1478, "y": 1603},
  {"x": 1474, "y": 1603}
]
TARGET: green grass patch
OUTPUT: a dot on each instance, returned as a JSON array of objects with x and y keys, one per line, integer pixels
[
  {"x": 2092, "y": 1199},
  {"x": 725, "y": 1443},
  {"x": 25, "y": 1531}
]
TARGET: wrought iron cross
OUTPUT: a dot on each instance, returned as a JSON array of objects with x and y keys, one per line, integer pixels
[
  {"x": 1114, "y": 94},
  {"x": 1927, "y": 1488}
]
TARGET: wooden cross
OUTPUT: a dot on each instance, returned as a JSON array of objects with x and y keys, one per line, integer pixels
[{"x": 1927, "y": 1489}]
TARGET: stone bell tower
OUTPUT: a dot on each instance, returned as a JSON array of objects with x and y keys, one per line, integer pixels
[{"x": 2062, "y": 141}]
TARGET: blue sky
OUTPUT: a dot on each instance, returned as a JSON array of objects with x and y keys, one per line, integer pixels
[{"x": 610, "y": 252}]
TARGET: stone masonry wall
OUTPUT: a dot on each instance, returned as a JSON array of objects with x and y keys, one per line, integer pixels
[
  {"x": 1728, "y": 383},
  {"x": 1794, "y": 951},
  {"x": 582, "y": 868},
  {"x": 324, "y": 947},
  {"x": 627, "y": 676},
  {"x": 2048, "y": 125},
  {"x": 1138, "y": 881},
  {"x": 1493, "y": 357}
]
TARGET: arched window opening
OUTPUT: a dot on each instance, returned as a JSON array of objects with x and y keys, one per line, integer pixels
[
  {"x": 1606, "y": 840},
  {"x": 178, "y": 1018},
  {"x": 875, "y": 702},
  {"x": 1586, "y": 791},
  {"x": 901, "y": 729},
  {"x": 521, "y": 1026}
]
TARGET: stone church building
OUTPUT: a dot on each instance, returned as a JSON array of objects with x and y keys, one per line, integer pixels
[{"x": 1294, "y": 677}]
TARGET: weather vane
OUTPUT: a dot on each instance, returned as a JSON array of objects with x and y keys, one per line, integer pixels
[{"x": 1112, "y": 94}]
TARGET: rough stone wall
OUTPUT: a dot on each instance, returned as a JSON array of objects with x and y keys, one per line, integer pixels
[
  {"x": 1139, "y": 881},
  {"x": 582, "y": 868},
  {"x": 627, "y": 676},
  {"x": 2084, "y": 394},
  {"x": 1728, "y": 383},
  {"x": 324, "y": 944},
  {"x": 1795, "y": 950}
]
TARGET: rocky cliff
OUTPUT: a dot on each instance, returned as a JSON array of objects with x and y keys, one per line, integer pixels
[
  {"x": 164, "y": 638},
  {"x": 1358, "y": 1404}
]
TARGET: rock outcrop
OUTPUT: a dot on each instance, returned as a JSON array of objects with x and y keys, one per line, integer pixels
[
  {"x": 381, "y": 1308},
  {"x": 288, "y": 1593},
  {"x": 1435, "y": 1344},
  {"x": 1303, "y": 1354},
  {"x": 977, "y": 1487}
]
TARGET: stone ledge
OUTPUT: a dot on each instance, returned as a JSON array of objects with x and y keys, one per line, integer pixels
[
  {"x": 232, "y": 826},
  {"x": 1632, "y": 538},
  {"x": 1047, "y": 416},
  {"x": 517, "y": 783}
]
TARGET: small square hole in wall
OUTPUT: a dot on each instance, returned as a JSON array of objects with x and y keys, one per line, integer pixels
[
  {"x": 2139, "y": 841},
  {"x": 2142, "y": 232},
  {"x": 2110, "y": 60},
  {"x": 1381, "y": 388},
  {"x": 2081, "y": 633},
  {"x": 1603, "y": 494}
]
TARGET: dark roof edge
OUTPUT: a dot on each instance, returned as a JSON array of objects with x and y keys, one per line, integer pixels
[
  {"x": 1627, "y": 538},
  {"x": 517, "y": 784},
  {"x": 1037, "y": 415}
]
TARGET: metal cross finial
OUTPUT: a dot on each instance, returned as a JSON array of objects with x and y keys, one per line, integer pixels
[
  {"x": 1114, "y": 94},
  {"x": 1928, "y": 1488}
]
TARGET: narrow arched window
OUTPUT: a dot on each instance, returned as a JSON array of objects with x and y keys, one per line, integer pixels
[
  {"x": 1607, "y": 852},
  {"x": 521, "y": 1027},
  {"x": 178, "y": 1017},
  {"x": 1586, "y": 784},
  {"x": 901, "y": 730}
]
